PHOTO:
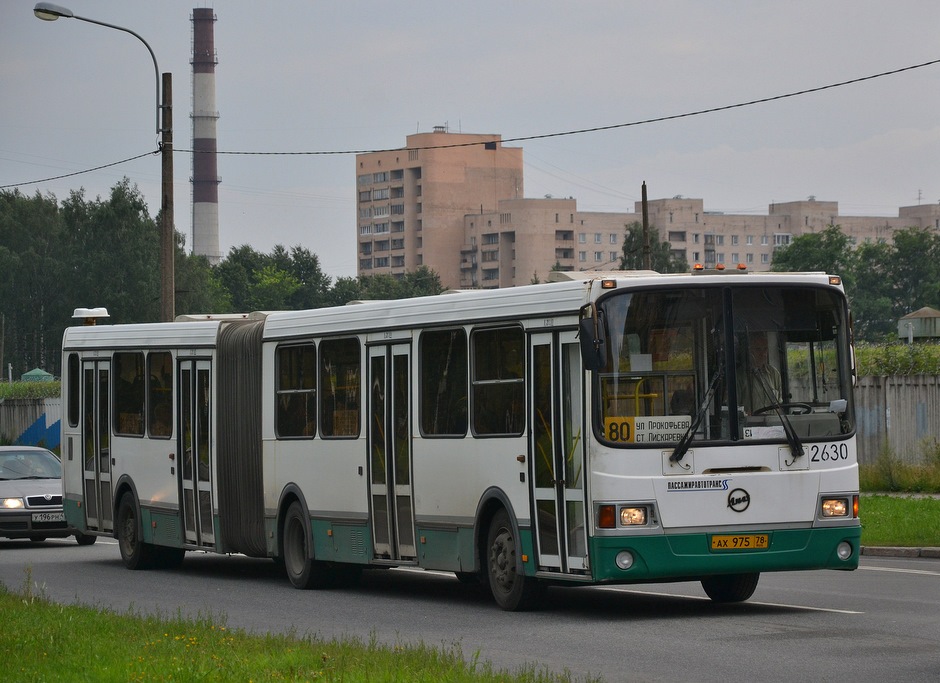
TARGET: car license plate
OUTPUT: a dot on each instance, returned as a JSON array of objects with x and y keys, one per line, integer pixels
[
  {"x": 741, "y": 542},
  {"x": 48, "y": 516}
]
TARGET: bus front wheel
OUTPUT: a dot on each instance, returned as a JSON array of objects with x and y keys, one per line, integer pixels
[
  {"x": 730, "y": 587},
  {"x": 512, "y": 590}
]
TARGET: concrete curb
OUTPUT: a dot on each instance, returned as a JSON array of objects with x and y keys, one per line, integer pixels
[{"x": 887, "y": 551}]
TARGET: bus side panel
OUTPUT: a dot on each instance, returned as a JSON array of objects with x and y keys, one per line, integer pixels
[{"x": 451, "y": 477}]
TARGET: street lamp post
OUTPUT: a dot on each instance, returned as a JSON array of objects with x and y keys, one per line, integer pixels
[{"x": 49, "y": 12}]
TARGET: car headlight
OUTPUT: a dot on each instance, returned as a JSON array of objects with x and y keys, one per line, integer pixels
[{"x": 12, "y": 504}]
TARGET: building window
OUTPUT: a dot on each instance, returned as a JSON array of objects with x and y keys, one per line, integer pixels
[
  {"x": 598, "y": 256},
  {"x": 734, "y": 240},
  {"x": 749, "y": 258},
  {"x": 695, "y": 238},
  {"x": 582, "y": 256},
  {"x": 613, "y": 238},
  {"x": 764, "y": 258},
  {"x": 677, "y": 235},
  {"x": 582, "y": 238},
  {"x": 749, "y": 240},
  {"x": 491, "y": 238},
  {"x": 763, "y": 240}
]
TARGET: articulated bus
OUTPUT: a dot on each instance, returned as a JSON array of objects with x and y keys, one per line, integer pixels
[{"x": 620, "y": 427}]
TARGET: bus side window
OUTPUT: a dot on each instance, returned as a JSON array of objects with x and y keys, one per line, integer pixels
[
  {"x": 296, "y": 387},
  {"x": 498, "y": 381},
  {"x": 74, "y": 405},
  {"x": 443, "y": 382},
  {"x": 160, "y": 394},
  {"x": 128, "y": 395},
  {"x": 340, "y": 373}
]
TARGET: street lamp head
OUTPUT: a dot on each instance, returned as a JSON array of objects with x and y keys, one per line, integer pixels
[{"x": 49, "y": 12}]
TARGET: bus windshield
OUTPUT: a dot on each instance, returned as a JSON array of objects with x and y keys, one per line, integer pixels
[{"x": 719, "y": 363}]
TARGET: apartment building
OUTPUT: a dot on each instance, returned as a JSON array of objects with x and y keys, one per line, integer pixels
[
  {"x": 454, "y": 203},
  {"x": 412, "y": 201}
]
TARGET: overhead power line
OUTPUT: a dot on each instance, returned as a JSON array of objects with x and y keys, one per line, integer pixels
[
  {"x": 524, "y": 138},
  {"x": 87, "y": 170}
]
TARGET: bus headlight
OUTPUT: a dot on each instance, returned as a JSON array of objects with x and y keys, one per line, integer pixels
[
  {"x": 12, "y": 503},
  {"x": 844, "y": 550},
  {"x": 835, "y": 507},
  {"x": 635, "y": 516}
]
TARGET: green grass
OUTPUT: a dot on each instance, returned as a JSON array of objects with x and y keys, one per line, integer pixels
[
  {"x": 43, "y": 641},
  {"x": 900, "y": 521}
]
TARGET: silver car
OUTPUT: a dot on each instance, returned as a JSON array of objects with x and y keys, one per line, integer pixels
[{"x": 31, "y": 496}]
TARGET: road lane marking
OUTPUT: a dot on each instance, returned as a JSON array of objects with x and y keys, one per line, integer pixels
[
  {"x": 806, "y": 608},
  {"x": 901, "y": 570}
]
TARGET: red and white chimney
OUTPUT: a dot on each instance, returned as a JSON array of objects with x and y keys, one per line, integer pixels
[{"x": 205, "y": 176}]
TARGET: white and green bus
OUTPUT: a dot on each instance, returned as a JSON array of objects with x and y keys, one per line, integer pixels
[{"x": 612, "y": 428}]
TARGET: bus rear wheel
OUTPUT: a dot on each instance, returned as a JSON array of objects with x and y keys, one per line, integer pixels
[
  {"x": 512, "y": 590},
  {"x": 730, "y": 587},
  {"x": 303, "y": 571},
  {"x": 134, "y": 552}
]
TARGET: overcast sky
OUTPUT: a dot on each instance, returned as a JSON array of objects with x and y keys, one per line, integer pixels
[{"x": 347, "y": 75}]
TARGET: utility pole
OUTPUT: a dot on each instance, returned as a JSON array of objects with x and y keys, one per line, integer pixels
[{"x": 167, "y": 231}]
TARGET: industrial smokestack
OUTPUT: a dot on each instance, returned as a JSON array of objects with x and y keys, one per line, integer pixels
[{"x": 205, "y": 166}]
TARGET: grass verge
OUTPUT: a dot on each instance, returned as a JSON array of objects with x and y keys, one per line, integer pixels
[
  {"x": 900, "y": 521},
  {"x": 44, "y": 641}
]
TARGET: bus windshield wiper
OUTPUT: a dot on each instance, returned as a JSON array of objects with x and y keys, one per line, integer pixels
[
  {"x": 689, "y": 435},
  {"x": 793, "y": 439}
]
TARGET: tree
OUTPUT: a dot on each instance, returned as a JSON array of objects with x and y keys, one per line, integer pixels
[
  {"x": 662, "y": 258},
  {"x": 829, "y": 251}
]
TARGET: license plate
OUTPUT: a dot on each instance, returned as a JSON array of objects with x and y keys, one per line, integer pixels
[
  {"x": 741, "y": 542},
  {"x": 48, "y": 516}
]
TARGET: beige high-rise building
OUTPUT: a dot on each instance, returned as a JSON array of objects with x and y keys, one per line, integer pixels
[
  {"x": 412, "y": 201},
  {"x": 454, "y": 203}
]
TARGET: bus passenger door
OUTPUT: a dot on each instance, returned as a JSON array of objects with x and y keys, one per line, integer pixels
[
  {"x": 96, "y": 444},
  {"x": 557, "y": 452},
  {"x": 390, "y": 488},
  {"x": 195, "y": 471}
]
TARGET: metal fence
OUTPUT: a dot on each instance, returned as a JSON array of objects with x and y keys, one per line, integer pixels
[
  {"x": 898, "y": 412},
  {"x": 31, "y": 421}
]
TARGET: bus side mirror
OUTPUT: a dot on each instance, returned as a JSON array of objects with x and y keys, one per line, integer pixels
[{"x": 593, "y": 340}]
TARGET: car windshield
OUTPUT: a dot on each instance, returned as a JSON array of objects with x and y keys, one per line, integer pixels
[
  {"x": 29, "y": 464},
  {"x": 724, "y": 364}
]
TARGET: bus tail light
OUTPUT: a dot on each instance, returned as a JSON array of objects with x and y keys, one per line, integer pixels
[{"x": 855, "y": 506}]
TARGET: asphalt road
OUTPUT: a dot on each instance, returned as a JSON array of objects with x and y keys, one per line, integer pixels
[{"x": 879, "y": 623}]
